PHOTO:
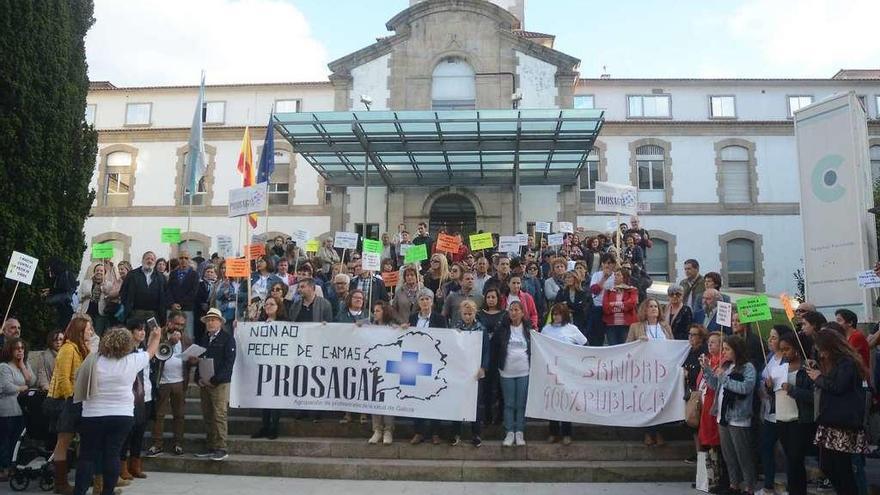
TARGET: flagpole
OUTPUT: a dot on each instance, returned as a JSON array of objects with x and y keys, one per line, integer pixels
[{"x": 189, "y": 216}]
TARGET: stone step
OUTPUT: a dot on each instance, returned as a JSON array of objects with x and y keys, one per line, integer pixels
[
  {"x": 491, "y": 450},
  {"x": 329, "y": 427},
  {"x": 429, "y": 470}
]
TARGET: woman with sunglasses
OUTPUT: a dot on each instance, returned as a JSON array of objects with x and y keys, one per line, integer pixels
[
  {"x": 223, "y": 296},
  {"x": 678, "y": 315},
  {"x": 273, "y": 310},
  {"x": 436, "y": 277}
]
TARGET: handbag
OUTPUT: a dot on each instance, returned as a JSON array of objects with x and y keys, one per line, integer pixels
[{"x": 692, "y": 409}]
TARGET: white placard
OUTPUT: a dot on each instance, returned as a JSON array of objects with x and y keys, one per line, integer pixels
[
  {"x": 867, "y": 280},
  {"x": 522, "y": 239},
  {"x": 421, "y": 373},
  {"x": 301, "y": 237},
  {"x": 404, "y": 248},
  {"x": 259, "y": 238},
  {"x": 224, "y": 246},
  {"x": 345, "y": 240},
  {"x": 555, "y": 239},
  {"x": 612, "y": 225},
  {"x": 566, "y": 227},
  {"x": 508, "y": 244},
  {"x": 371, "y": 261},
  {"x": 636, "y": 384},
  {"x": 542, "y": 227},
  {"x": 21, "y": 268},
  {"x": 251, "y": 199},
  {"x": 617, "y": 198},
  {"x": 722, "y": 315}
]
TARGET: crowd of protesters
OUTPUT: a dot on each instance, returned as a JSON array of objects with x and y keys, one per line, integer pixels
[{"x": 806, "y": 387}]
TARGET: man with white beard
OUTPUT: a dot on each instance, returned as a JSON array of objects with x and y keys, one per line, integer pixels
[{"x": 143, "y": 291}]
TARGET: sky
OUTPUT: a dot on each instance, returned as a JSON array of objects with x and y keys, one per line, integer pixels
[{"x": 166, "y": 42}]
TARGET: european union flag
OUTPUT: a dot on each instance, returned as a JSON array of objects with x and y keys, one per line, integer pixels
[{"x": 267, "y": 157}]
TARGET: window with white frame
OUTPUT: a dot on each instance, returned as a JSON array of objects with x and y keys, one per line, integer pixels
[
  {"x": 287, "y": 106},
  {"x": 279, "y": 182},
  {"x": 117, "y": 185},
  {"x": 90, "y": 114},
  {"x": 722, "y": 107},
  {"x": 734, "y": 175},
  {"x": 649, "y": 106},
  {"x": 214, "y": 112},
  {"x": 795, "y": 103},
  {"x": 875, "y": 162},
  {"x": 650, "y": 162},
  {"x": 453, "y": 85},
  {"x": 741, "y": 263},
  {"x": 657, "y": 260},
  {"x": 590, "y": 173},
  {"x": 877, "y": 105},
  {"x": 138, "y": 113},
  {"x": 585, "y": 101},
  {"x": 197, "y": 199}
]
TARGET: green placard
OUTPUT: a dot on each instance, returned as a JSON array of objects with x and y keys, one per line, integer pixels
[
  {"x": 103, "y": 251},
  {"x": 481, "y": 241},
  {"x": 170, "y": 235},
  {"x": 312, "y": 246},
  {"x": 416, "y": 253},
  {"x": 752, "y": 309},
  {"x": 371, "y": 246}
]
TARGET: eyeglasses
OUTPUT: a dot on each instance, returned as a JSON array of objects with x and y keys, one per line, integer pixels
[{"x": 435, "y": 261}]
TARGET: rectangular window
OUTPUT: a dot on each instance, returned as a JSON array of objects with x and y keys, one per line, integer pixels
[
  {"x": 795, "y": 103},
  {"x": 118, "y": 183},
  {"x": 328, "y": 195},
  {"x": 198, "y": 199},
  {"x": 90, "y": 114},
  {"x": 138, "y": 113},
  {"x": 651, "y": 175},
  {"x": 649, "y": 106},
  {"x": 287, "y": 106},
  {"x": 214, "y": 112},
  {"x": 589, "y": 175},
  {"x": 722, "y": 107},
  {"x": 372, "y": 231},
  {"x": 279, "y": 182},
  {"x": 585, "y": 102}
]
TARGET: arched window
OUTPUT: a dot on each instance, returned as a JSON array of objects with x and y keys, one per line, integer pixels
[
  {"x": 875, "y": 162},
  {"x": 657, "y": 260},
  {"x": 453, "y": 86},
  {"x": 741, "y": 263},
  {"x": 650, "y": 164},
  {"x": 735, "y": 185},
  {"x": 118, "y": 179}
]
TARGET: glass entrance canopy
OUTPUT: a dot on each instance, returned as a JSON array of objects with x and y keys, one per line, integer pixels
[{"x": 440, "y": 148}]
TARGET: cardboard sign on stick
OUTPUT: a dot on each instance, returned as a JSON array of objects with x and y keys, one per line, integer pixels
[{"x": 22, "y": 267}]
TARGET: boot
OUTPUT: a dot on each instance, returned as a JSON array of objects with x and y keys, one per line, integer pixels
[
  {"x": 124, "y": 473},
  {"x": 61, "y": 485},
  {"x": 136, "y": 467}
]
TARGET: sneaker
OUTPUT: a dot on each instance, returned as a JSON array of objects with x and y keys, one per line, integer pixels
[
  {"x": 824, "y": 484},
  {"x": 416, "y": 439},
  {"x": 477, "y": 442},
  {"x": 455, "y": 440},
  {"x": 377, "y": 436},
  {"x": 520, "y": 439},
  {"x": 388, "y": 437},
  {"x": 178, "y": 450},
  {"x": 364, "y": 419},
  {"x": 153, "y": 451},
  {"x": 204, "y": 455},
  {"x": 219, "y": 455},
  {"x": 345, "y": 419},
  {"x": 566, "y": 440},
  {"x": 508, "y": 440}
]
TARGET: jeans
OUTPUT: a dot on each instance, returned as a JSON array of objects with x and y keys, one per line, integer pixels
[
  {"x": 10, "y": 430},
  {"x": 838, "y": 466},
  {"x": 794, "y": 438},
  {"x": 858, "y": 461},
  {"x": 560, "y": 428},
  {"x": 616, "y": 334},
  {"x": 596, "y": 328},
  {"x": 737, "y": 449},
  {"x": 271, "y": 419},
  {"x": 768, "y": 451},
  {"x": 514, "y": 391},
  {"x": 101, "y": 441},
  {"x": 134, "y": 443},
  {"x": 492, "y": 410},
  {"x": 427, "y": 427}
]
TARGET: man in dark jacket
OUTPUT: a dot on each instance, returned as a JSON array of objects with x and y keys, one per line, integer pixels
[
  {"x": 143, "y": 291},
  {"x": 215, "y": 389},
  {"x": 183, "y": 285},
  {"x": 373, "y": 287},
  {"x": 310, "y": 307}
]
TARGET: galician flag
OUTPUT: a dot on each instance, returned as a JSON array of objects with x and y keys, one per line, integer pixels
[
  {"x": 246, "y": 167},
  {"x": 267, "y": 158},
  {"x": 195, "y": 158}
]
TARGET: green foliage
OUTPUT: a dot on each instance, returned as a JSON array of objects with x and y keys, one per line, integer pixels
[{"x": 47, "y": 153}]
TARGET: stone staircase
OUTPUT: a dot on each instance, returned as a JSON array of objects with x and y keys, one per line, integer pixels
[{"x": 329, "y": 449}]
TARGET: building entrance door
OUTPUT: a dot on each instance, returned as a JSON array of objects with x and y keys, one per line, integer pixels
[{"x": 453, "y": 213}]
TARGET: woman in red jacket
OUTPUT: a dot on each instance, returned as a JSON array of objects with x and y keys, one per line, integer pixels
[
  {"x": 514, "y": 283},
  {"x": 619, "y": 308}
]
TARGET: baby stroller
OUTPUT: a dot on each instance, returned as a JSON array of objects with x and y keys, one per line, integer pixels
[{"x": 31, "y": 460}]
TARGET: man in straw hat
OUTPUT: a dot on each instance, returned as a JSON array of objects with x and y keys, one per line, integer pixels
[{"x": 213, "y": 376}]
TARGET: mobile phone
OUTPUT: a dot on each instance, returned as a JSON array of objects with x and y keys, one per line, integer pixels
[{"x": 151, "y": 324}]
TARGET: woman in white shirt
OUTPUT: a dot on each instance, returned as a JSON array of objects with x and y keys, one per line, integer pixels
[
  {"x": 512, "y": 345},
  {"x": 562, "y": 329},
  {"x": 104, "y": 385}
]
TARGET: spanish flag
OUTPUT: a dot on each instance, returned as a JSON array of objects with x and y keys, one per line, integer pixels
[{"x": 246, "y": 168}]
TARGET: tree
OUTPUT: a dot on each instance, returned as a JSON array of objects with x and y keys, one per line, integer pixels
[{"x": 47, "y": 152}]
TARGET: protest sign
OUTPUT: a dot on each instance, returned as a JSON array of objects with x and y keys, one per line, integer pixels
[
  {"x": 237, "y": 268},
  {"x": 522, "y": 239},
  {"x": 340, "y": 367},
  {"x": 542, "y": 227},
  {"x": 481, "y": 241},
  {"x": 636, "y": 384},
  {"x": 256, "y": 250},
  {"x": 259, "y": 238},
  {"x": 416, "y": 253},
  {"x": 787, "y": 306},
  {"x": 508, "y": 244},
  {"x": 312, "y": 246},
  {"x": 555, "y": 239},
  {"x": 565, "y": 227},
  {"x": 722, "y": 315},
  {"x": 611, "y": 225},
  {"x": 22, "y": 268},
  {"x": 868, "y": 280},
  {"x": 102, "y": 251},
  {"x": 391, "y": 279},
  {"x": 245, "y": 200},
  {"x": 372, "y": 246},
  {"x": 170, "y": 235},
  {"x": 448, "y": 243},
  {"x": 301, "y": 237},
  {"x": 753, "y": 309},
  {"x": 224, "y": 246},
  {"x": 371, "y": 261},
  {"x": 616, "y": 198},
  {"x": 345, "y": 240}
]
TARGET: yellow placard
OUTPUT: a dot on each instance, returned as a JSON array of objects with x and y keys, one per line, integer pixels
[
  {"x": 481, "y": 241},
  {"x": 312, "y": 246}
]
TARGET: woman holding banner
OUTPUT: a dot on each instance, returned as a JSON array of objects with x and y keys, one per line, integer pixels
[
  {"x": 513, "y": 346},
  {"x": 273, "y": 310},
  {"x": 619, "y": 308},
  {"x": 491, "y": 315},
  {"x": 424, "y": 319},
  {"x": 650, "y": 327},
  {"x": 561, "y": 328},
  {"x": 406, "y": 297},
  {"x": 678, "y": 315}
]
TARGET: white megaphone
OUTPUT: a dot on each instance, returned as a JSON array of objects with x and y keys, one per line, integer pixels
[{"x": 165, "y": 351}]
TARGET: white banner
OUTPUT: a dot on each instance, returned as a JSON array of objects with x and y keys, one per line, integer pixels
[
  {"x": 617, "y": 198},
  {"x": 566, "y": 227},
  {"x": 224, "y": 246},
  {"x": 301, "y": 237},
  {"x": 556, "y": 239},
  {"x": 21, "y": 268},
  {"x": 542, "y": 227},
  {"x": 371, "y": 261},
  {"x": 245, "y": 200},
  {"x": 636, "y": 384},
  {"x": 723, "y": 312},
  {"x": 508, "y": 244},
  {"x": 370, "y": 369},
  {"x": 345, "y": 240},
  {"x": 523, "y": 239}
]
